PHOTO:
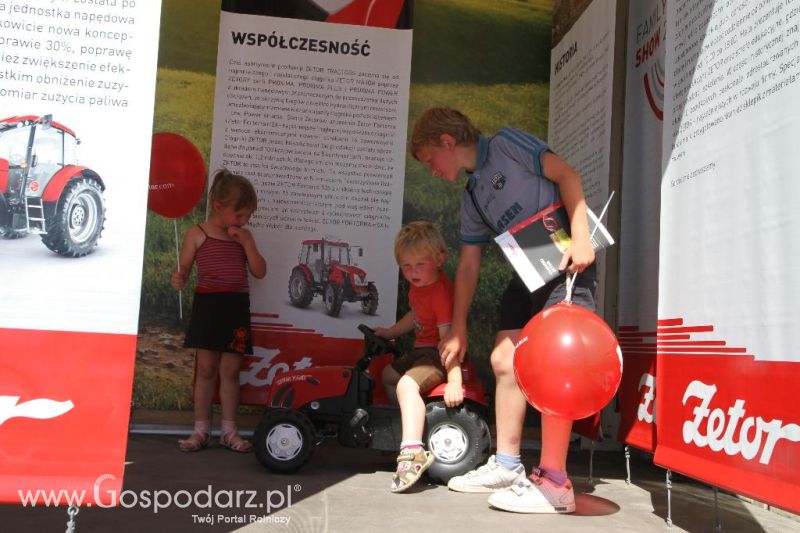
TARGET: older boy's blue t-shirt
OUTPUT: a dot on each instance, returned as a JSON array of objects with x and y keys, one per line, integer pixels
[{"x": 507, "y": 186}]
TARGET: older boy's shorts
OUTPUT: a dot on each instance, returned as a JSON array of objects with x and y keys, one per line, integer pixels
[
  {"x": 518, "y": 305},
  {"x": 423, "y": 365}
]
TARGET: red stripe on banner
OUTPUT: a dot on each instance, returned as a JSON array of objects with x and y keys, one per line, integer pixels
[
  {"x": 687, "y": 329},
  {"x": 670, "y": 322},
  {"x": 741, "y": 434},
  {"x": 692, "y": 343},
  {"x": 65, "y": 401},
  {"x": 651, "y": 100},
  {"x": 698, "y": 350},
  {"x": 636, "y": 335},
  {"x": 672, "y": 337},
  {"x": 638, "y": 345}
]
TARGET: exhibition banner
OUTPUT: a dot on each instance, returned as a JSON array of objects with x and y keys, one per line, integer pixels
[
  {"x": 313, "y": 110},
  {"x": 639, "y": 230},
  {"x": 77, "y": 82},
  {"x": 581, "y": 70},
  {"x": 726, "y": 410}
]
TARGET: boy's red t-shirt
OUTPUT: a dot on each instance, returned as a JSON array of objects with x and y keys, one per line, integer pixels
[{"x": 432, "y": 307}]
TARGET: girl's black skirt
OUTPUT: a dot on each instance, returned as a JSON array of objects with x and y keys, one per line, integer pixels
[{"x": 220, "y": 322}]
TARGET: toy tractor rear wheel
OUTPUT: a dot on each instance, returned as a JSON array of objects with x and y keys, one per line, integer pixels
[
  {"x": 76, "y": 224},
  {"x": 333, "y": 298},
  {"x": 369, "y": 305},
  {"x": 284, "y": 440},
  {"x": 300, "y": 291},
  {"x": 458, "y": 438}
]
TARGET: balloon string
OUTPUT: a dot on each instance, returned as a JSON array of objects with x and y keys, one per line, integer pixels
[
  {"x": 178, "y": 262},
  {"x": 571, "y": 279}
]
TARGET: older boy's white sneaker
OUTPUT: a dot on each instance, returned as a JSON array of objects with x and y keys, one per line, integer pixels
[
  {"x": 488, "y": 478},
  {"x": 535, "y": 495}
]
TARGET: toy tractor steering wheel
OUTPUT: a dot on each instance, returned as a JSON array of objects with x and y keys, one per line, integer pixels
[{"x": 375, "y": 345}]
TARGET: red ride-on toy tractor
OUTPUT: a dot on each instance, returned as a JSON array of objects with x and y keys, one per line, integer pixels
[
  {"x": 327, "y": 267},
  {"x": 44, "y": 191},
  {"x": 306, "y": 406}
]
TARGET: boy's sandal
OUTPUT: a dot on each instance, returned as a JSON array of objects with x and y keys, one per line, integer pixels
[
  {"x": 197, "y": 441},
  {"x": 410, "y": 467},
  {"x": 234, "y": 442}
]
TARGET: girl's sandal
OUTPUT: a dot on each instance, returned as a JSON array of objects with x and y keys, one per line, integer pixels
[
  {"x": 410, "y": 467},
  {"x": 234, "y": 442},
  {"x": 197, "y": 441}
]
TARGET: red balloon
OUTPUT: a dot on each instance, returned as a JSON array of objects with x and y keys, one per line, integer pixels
[
  {"x": 177, "y": 175},
  {"x": 568, "y": 362}
]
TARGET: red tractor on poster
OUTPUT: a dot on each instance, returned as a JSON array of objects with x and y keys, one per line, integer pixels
[
  {"x": 328, "y": 268},
  {"x": 44, "y": 191}
]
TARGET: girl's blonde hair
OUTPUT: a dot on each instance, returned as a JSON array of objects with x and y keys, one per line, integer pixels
[
  {"x": 420, "y": 236},
  {"x": 227, "y": 187},
  {"x": 435, "y": 122}
]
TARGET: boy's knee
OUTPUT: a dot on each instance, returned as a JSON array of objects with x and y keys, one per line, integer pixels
[
  {"x": 502, "y": 362},
  {"x": 407, "y": 386}
]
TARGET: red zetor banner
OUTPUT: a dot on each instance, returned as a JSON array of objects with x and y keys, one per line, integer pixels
[
  {"x": 64, "y": 409},
  {"x": 731, "y": 421},
  {"x": 636, "y": 396}
]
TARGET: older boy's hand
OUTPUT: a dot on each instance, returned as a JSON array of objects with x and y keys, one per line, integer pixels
[
  {"x": 453, "y": 347},
  {"x": 578, "y": 257},
  {"x": 453, "y": 394}
]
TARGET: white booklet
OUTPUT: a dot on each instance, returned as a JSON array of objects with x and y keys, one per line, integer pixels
[{"x": 535, "y": 246}]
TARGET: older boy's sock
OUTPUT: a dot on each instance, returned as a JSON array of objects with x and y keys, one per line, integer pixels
[
  {"x": 411, "y": 445},
  {"x": 558, "y": 477},
  {"x": 511, "y": 462}
]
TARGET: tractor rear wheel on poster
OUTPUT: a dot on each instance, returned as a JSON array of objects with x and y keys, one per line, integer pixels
[
  {"x": 300, "y": 291},
  {"x": 76, "y": 224},
  {"x": 369, "y": 305},
  {"x": 333, "y": 298}
]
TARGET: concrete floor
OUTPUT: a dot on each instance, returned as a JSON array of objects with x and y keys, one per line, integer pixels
[{"x": 346, "y": 489}]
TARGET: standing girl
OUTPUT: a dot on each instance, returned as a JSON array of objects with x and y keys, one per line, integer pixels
[{"x": 220, "y": 323}]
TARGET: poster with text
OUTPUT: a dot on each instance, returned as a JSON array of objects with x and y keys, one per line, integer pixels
[
  {"x": 581, "y": 70},
  {"x": 640, "y": 204},
  {"x": 77, "y": 83},
  {"x": 314, "y": 113},
  {"x": 726, "y": 405}
]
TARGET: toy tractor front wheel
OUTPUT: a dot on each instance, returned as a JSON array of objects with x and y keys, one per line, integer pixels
[
  {"x": 369, "y": 305},
  {"x": 300, "y": 291},
  {"x": 333, "y": 298},
  {"x": 284, "y": 440},
  {"x": 458, "y": 438},
  {"x": 76, "y": 224}
]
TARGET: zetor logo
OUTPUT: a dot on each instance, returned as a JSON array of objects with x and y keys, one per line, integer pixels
[
  {"x": 645, "y": 413},
  {"x": 717, "y": 429},
  {"x": 41, "y": 408}
]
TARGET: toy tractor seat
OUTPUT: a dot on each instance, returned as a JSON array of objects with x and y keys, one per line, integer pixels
[{"x": 472, "y": 384}]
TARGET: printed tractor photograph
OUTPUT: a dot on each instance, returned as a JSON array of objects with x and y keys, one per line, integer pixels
[
  {"x": 329, "y": 268},
  {"x": 44, "y": 191}
]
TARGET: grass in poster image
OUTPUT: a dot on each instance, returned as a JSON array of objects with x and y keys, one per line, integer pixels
[{"x": 488, "y": 58}]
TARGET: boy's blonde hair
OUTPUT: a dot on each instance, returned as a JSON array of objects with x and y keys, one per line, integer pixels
[
  {"x": 225, "y": 187},
  {"x": 435, "y": 122},
  {"x": 420, "y": 237}
]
